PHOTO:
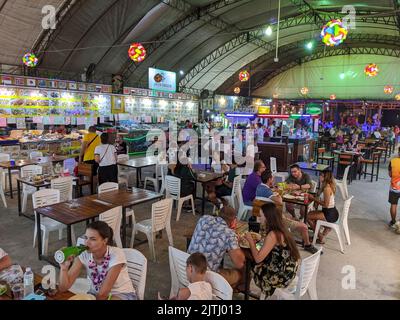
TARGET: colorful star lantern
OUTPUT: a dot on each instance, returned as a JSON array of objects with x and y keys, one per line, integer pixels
[
  {"x": 334, "y": 33},
  {"x": 304, "y": 91},
  {"x": 137, "y": 52},
  {"x": 332, "y": 97},
  {"x": 397, "y": 96},
  {"x": 388, "y": 89},
  {"x": 244, "y": 76},
  {"x": 236, "y": 90},
  {"x": 371, "y": 70},
  {"x": 30, "y": 60}
]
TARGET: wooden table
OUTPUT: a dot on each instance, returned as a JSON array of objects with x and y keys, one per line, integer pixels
[
  {"x": 300, "y": 203},
  {"x": 309, "y": 166},
  {"x": 15, "y": 166},
  {"x": 38, "y": 281},
  {"x": 138, "y": 164},
  {"x": 206, "y": 176},
  {"x": 44, "y": 184},
  {"x": 62, "y": 212},
  {"x": 49, "y": 159},
  {"x": 127, "y": 199}
]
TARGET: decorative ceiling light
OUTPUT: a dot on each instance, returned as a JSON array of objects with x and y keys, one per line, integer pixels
[
  {"x": 334, "y": 33},
  {"x": 268, "y": 31},
  {"x": 275, "y": 96},
  {"x": 388, "y": 89},
  {"x": 304, "y": 91},
  {"x": 397, "y": 97},
  {"x": 371, "y": 70},
  {"x": 244, "y": 76},
  {"x": 137, "y": 52},
  {"x": 332, "y": 97},
  {"x": 30, "y": 60},
  {"x": 236, "y": 90}
]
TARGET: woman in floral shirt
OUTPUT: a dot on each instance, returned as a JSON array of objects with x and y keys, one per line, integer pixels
[{"x": 277, "y": 261}]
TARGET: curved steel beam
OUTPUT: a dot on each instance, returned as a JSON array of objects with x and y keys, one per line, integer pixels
[
  {"x": 358, "y": 43},
  {"x": 204, "y": 14},
  {"x": 47, "y": 35},
  {"x": 285, "y": 24}
]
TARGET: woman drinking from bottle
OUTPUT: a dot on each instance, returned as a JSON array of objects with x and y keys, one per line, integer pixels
[{"x": 105, "y": 266}]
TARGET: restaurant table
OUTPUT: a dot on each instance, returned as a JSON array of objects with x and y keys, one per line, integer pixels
[
  {"x": 38, "y": 185},
  {"x": 299, "y": 202},
  {"x": 15, "y": 166},
  {"x": 138, "y": 164},
  {"x": 206, "y": 176},
  {"x": 48, "y": 159},
  {"x": 127, "y": 199},
  {"x": 355, "y": 167},
  {"x": 37, "y": 282},
  {"x": 86, "y": 209},
  {"x": 309, "y": 166}
]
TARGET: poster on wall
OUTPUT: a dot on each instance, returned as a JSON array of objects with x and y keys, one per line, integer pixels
[{"x": 162, "y": 80}]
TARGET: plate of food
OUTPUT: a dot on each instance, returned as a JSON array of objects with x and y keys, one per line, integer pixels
[
  {"x": 289, "y": 196},
  {"x": 243, "y": 243}
]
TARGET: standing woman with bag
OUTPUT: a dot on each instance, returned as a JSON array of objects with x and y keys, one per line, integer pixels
[{"x": 106, "y": 157}]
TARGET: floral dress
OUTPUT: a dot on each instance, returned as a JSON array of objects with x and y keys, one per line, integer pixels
[{"x": 276, "y": 271}]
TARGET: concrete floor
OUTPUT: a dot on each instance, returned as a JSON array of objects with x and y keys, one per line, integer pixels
[{"x": 374, "y": 251}]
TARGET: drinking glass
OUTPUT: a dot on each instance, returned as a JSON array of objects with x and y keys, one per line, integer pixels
[{"x": 18, "y": 291}]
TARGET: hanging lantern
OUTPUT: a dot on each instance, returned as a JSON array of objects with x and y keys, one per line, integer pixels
[
  {"x": 275, "y": 96},
  {"x": 388, "y": 89},
  {"x": 332, "y": 97},
  {"x": 304, "y": 91},
  {"x": 244, "y": 76},
  {"x": 30, "y": 60},
  {"x": 236, "y": 90},
  {"x": 334, "y": 33},
  {"x": 371, "y": 70},
  {"x": 137, "y": 52},
  {"x": 397, "y": 97}
]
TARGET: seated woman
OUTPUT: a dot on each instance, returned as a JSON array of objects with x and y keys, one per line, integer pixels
[
  {"x": 329, "y": 212},
  {"x": 105, "y": 266},
  {"x": 223, "y": 186},
  {"x": 188, "y": 180},
  {"x": 278, "y": 259},
  {"x": 5, "y": 260}
]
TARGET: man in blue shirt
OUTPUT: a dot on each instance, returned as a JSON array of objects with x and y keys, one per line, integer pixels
[{"x": 215, "y": 236}]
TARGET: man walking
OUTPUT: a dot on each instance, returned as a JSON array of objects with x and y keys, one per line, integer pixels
[{"x": 394, "y": 193}]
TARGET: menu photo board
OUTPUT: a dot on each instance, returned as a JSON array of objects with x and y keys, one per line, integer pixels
[{"x": 162, "y": 80}]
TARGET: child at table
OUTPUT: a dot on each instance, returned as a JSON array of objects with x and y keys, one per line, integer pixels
[{"x": 198, "y": 289}]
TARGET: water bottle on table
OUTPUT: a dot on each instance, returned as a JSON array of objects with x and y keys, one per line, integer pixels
[{"x": 28, "y": 282}]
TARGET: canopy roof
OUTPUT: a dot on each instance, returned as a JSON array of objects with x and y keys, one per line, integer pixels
[{"x": 209, "y": 40}]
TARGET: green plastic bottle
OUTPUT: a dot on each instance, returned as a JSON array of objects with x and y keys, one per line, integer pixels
[{"x": 64, "y": 253}]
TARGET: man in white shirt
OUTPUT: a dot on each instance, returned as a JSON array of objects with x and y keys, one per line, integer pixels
[{"x": 260, "y": 132}]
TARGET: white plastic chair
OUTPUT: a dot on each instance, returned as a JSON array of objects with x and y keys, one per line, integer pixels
[
  {"x": 160, "y": 172},
  {"x": 137, "y": 270},
  {"x": 342, "y": 184},
  {"x": 221, "y": 288},
  {"x": 177, "y": 267},
  {"x": 65, "y": 186},
  {"x": 243, "y": 209},
  {"x": 161, "y": 212},
  {"x": 113, "y": 186},
  {"x": 306, "y": 281},
  {"x": 4, "y": 157},
  {"x": 173, "y": 191},
  {"x": 341, "y": 224},
  {"x": 124, "y": 173},
  {"x": 279, "y": 176},
  {"x": 43, "y": 198},
  {"x": 232, "y": 198},
  {"x": 113, "y": 218},
  {"x": 28, "y": 171},
  {"x": 35, "y": 154}
]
